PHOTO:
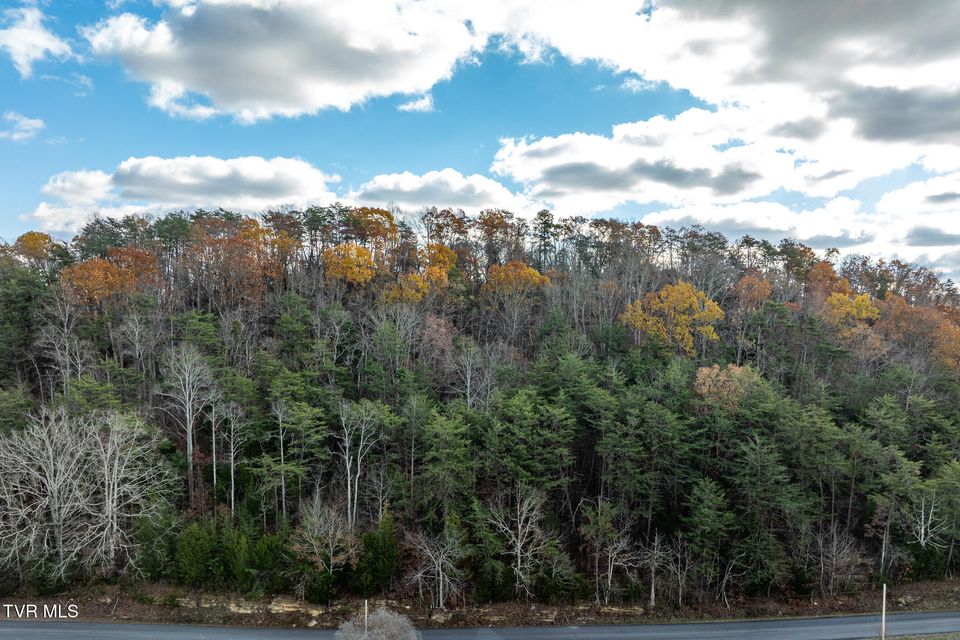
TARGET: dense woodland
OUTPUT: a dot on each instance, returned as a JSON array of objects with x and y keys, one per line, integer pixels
[{"x": 346, "y": 401}]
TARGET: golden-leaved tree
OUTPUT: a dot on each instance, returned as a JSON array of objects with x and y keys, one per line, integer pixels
[
  {"x": 677, "y": 314},
  {"x": 349, "y": 262}
]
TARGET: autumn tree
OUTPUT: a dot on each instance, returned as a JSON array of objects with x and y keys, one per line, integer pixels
[
  {"x": 349, "y": 262},
  {"x": 677, "y": 314},
  {"x": 512, "y": 289}
]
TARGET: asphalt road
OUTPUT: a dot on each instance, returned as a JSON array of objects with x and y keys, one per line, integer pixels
[{"x": 841, "y": 628}]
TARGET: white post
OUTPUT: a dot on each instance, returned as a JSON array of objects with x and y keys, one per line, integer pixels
[
  {"x": 883, "y": 614},
  {"x": 366, "y": 611}
]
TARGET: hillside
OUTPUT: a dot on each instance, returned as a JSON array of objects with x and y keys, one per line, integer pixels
[{"x": 336, "y": 402}]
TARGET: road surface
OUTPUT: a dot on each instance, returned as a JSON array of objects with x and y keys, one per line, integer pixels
[{"x": 839, "y": 628}]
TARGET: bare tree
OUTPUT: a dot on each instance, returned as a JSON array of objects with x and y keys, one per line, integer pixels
[
  {"x": 189, "y": 388},
  {"x": 680, "y": 564},
  {"x": 140, "y": 338},
  {"x": 436, "y": 570},
  {"x": 474, "y": 372},
  {"x": 380, "y": 488},
  {"x": 235, "y": 436},
  {"x": 359, "y": 432},
  {"x": 520, "y": 523},
  {"x": 924, "y": 521},
  {"x": 127, "y": 480},
  {"x": 58, "y": 340},
  {"x": 654, "y": 554},
  {"x": 835, "y": 554},
  {"x": 324, "y": 536},
  {"x": 281, "y": 414},
  {"x": 71, "y": 489},
  {"x": 45, "y": 493}
]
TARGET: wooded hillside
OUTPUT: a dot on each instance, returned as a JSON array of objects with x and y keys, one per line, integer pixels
[{"x": 456, "y": 409}]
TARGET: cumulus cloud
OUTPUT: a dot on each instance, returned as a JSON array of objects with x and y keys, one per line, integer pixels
[
  {"x": 20, "y": 127},
  {"x": 446, "y": 188},
  {"x": 25, "y": 38},
  {"x": 255, "y": 59},
  {"x": 152, "y": 184}
]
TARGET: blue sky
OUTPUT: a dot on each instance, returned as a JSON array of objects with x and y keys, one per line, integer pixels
[{"x": 821, "y": 123}]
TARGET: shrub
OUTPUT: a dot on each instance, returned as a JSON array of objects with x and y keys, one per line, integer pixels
[
  {"x": 196, "y": 554},
  {"x": 269, "y": 562},
  {"x": 236, "y": 559},
  {"x": 379, "y": 559},
  {"x": 382, "y": 624}
]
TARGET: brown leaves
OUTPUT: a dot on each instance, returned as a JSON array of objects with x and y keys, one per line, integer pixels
[
  {"x": 95, "y": 280},
  {"x": 751, "y": 290}
]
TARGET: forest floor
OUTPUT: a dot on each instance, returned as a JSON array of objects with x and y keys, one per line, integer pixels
[{"x": 161, "y": 603}]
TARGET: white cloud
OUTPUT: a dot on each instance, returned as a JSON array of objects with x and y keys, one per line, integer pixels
[
  {"x": 21, "y": 127},
  {"x": 152, "y": 184},
  {"x": 445, "y": 188},
  {"x": 27, "y": 41},
  {"x": 422, "y": 104},
  {"x": 840, "y": 222},
  {"x": 637, "y": 85},
  {"x": 255, "y": 59}
]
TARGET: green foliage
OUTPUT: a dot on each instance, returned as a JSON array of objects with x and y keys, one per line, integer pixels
[
  {"x": 15, "y": 404},
  {"x": 270, "y": 560},
  {"x": 379, "y": 561},
  {"x": 22, "y": 291},
  {"x": 235, "y": 552},
  {"x": 738, "y": 453},
  {"x": 198, "y": 564}
]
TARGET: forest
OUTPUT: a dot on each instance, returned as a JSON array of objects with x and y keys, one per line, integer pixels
[{"x": 452, "y": 410}]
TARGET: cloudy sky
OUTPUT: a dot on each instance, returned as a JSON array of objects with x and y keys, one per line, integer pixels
[{"x": 835, "y": 122}]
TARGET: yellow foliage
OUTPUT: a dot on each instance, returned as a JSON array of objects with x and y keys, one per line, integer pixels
[
  {"x": 34, "y": 245},
  {"x": 440, "y": 260},
  {"x": 676, "y": 314},
  {"x": 844, "y": 311},
  {"x": 515, "y": 276},
  {"x": 410, "y": 290},
  {"x": 349, "y": 262}
]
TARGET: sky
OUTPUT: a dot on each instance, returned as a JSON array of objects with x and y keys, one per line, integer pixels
[{"x": 832, "y": 122}]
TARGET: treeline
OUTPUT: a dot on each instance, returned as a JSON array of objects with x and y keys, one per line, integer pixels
[{"x": 336, "y": 401}]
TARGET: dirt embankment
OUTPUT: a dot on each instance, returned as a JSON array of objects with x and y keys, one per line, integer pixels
[{"x": 168, "y": 604}]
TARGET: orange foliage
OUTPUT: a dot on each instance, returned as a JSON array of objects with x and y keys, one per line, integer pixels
[
  {"x": 142, "y": 266},
  {"x": 350, "y": 262},
  {"x": 95, "y": 280},
  {"x": 515, "y": 276},
  {"x": 921, "y": 330},
  {"x": 371, "y": 225},
  {"x": 675, "y": 314},
  {"x": 234, "y": 258},
  {"x": 822, "y": 282},
  {"x": 751, "y": 290}
]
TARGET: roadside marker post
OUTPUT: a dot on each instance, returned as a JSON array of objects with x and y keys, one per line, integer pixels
[{"x": 883, "y": 614}]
